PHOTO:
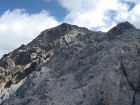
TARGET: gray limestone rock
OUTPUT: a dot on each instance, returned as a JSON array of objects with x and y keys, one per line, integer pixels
[{"x": 71, "y": 65}]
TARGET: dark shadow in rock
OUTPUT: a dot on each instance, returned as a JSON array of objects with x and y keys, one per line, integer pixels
[{"x": 26, "y": 72}]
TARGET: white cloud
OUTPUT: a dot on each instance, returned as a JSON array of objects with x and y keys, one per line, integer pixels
[
  {"x": 133, "y": 1},
  {"x": 99, "y": 14},
  {"x": 18, "y": 27},
  {"x": 134, "y": 16}
]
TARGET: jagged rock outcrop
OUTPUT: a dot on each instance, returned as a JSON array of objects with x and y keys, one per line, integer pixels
[{"x": 71, "y": 65}]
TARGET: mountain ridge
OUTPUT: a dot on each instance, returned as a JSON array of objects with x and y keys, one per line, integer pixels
[{"x": 71, "y": 65}]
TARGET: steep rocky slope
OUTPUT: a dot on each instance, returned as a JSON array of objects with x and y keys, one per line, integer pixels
[{"x": 71, "y": 65}]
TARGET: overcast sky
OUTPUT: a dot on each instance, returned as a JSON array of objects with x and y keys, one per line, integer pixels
[{"x": 22, "y": 20}]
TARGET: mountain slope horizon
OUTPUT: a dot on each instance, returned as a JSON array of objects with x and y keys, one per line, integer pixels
[{"x": 71, "y": 65}]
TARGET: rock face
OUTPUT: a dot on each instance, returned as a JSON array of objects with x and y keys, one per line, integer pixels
[{"x": 71, "y": 65}]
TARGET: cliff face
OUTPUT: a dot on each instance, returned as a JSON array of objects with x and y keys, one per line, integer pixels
[{"x": 71, "y": 65}]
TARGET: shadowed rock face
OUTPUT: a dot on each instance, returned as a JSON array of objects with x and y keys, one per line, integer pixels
[
  {"x": 71, "y": 65},
  {"x": 121, "y": 28}
]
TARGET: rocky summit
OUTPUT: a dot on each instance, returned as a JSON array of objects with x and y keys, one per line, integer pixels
[{"x": 71, "y": 65}]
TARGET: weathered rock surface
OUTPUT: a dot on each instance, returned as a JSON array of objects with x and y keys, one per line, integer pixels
[{"x": 71, "y": 65}]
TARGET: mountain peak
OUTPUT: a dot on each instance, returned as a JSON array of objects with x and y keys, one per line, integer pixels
[
  {"x": 126, "y": 25},
  {"x": 121, "y": 27},
  {"x": 67, "y": 26},
  {"x": 64, "y": 24}
]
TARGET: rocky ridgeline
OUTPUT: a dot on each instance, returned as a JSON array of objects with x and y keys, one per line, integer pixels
[{"x": 71, "y": 65}]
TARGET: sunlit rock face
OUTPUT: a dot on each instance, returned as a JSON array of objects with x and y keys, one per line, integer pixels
[{"x": 71, "y": 65}]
